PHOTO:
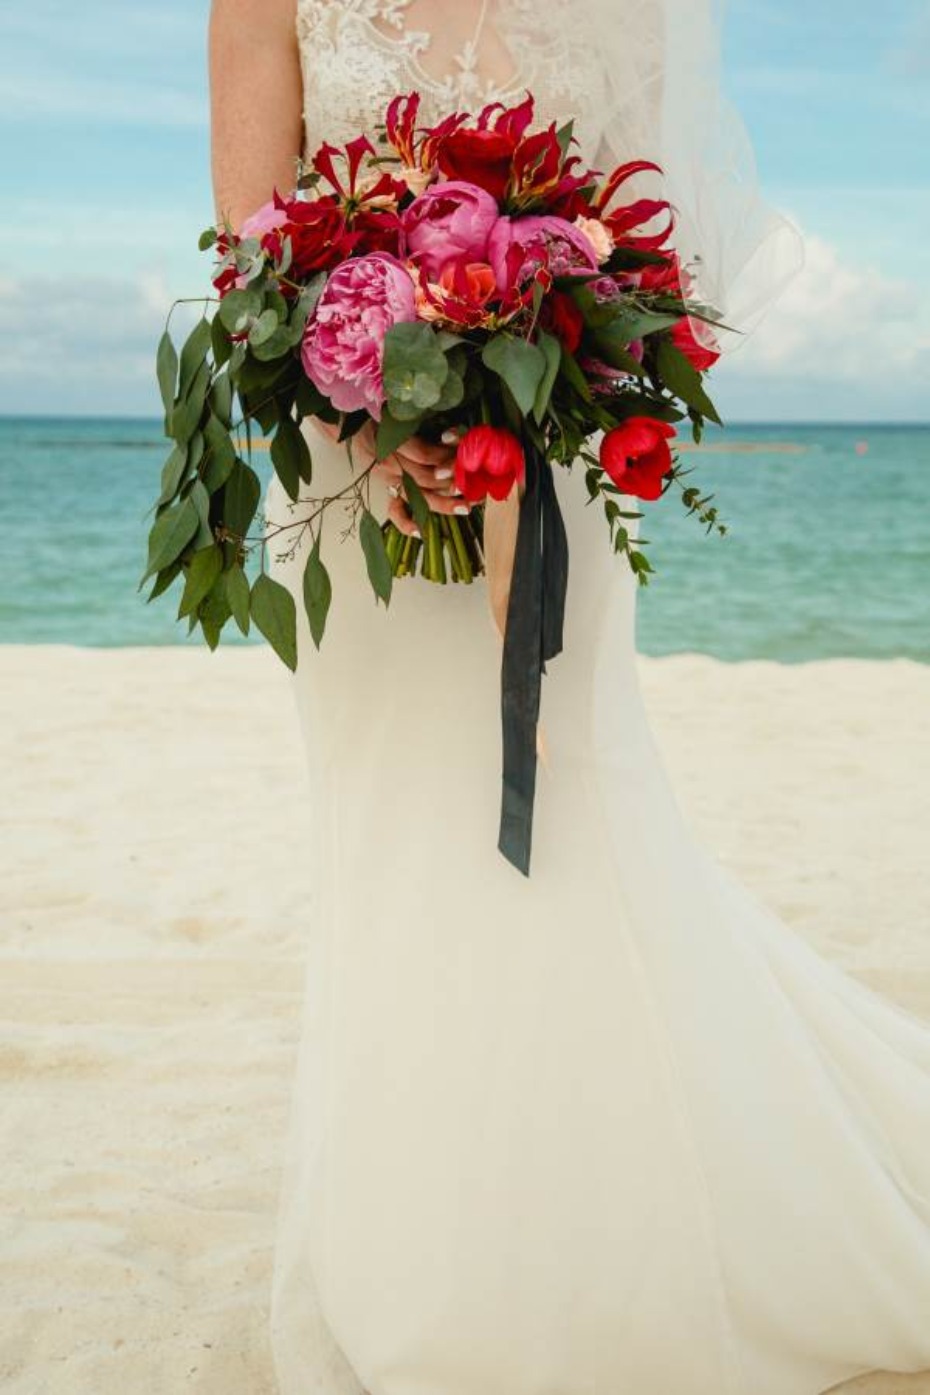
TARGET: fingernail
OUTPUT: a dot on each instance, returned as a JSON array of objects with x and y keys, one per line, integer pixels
[
  {"x": 444, "y": 474},
  {"x": 449, "y": 437},
  {"x": 416, "y": 532},
  {"x": 462, "y": 508}
]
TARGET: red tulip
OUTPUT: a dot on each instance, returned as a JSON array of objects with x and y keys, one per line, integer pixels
[
  {"x": 489, "y": 460},
  {"x": 637, "y": 457}
]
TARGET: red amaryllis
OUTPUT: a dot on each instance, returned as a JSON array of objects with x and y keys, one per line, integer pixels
[
  {"x": 623, "y": 222},
  {"x": 489, "y": 460},
  {"x": 637, "y": 457}
]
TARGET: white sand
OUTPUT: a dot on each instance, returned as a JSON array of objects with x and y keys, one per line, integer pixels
[{"x": 153, "y": 900}]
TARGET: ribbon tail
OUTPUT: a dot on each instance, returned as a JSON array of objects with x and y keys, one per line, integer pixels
[
  {"x": 533, "y": 632},
  {"x": 555, "y": 568}
]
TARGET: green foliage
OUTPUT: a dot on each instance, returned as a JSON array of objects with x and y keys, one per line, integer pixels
[
  {"x": 681, "y": 377},
  {"x": 240, "y": 498},
  {"x": 236, "y": 586},
  {"x": 188, "y": 408},
  {"x": 238, "y": 308},
  {"x": 520, "y": 364},
  {"x": 392, "y": 433},
  {"x": 172, "y": 474},
  {"x": 170, "y": 534},
  {"x": 193, "y": 355},
  {"x": 380, "y": 573},
  {"x": 318, "y": 592},
  {"x": 414, "y": 370},
  {"x": 418, "y": 505},
  {"x": 290, "y": 456},
  {"x": 213, "y": 614},
  {"x": 166, "y": 369},
  {"x": 220, "y": 454},
  {"x": 275, "y": 615},
  {"x": 552, "y": 352},
  {"x": 164, "y": 580},
  {"x": 205, "y": 567}
]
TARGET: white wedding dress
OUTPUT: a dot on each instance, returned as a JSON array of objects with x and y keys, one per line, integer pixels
[{"x": 609, "y": 1129}]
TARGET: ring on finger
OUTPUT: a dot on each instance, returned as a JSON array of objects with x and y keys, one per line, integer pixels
[{"x": 394, "y": 490}]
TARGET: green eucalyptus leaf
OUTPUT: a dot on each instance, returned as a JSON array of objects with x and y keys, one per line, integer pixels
[
  {"x": 318, "y": 592},
  {"x": 552, "y": 351},
  {"x": 392, "y": 433},
  {"x": 277, "y": 345},
  {"x": 632, "y": 323},
  {"x": 205, "y": 567},
  {"x": 172, "y": 473},
  {"x": 164, "y": 580},
  {"x": 380, "y": 573},
  {"x": 213, "y": 613},
  {"x": 306, "y": 302},
  {"x": 196, "y": 347},
  {"x": 236, "y": 584},
  {"x": 290, "y": 456},
  {"x": 681, "y": 377},
  {"x": 452, "y": 394},
  {"x": 263, "y": 328},
  {"x": 573, "y": 375},
  {"x": 613, "y": 347},
  {"x": 220, "y": 342},
  {"x": 520, "y": 364},
  {"x": 220, "y": 454},
  {"x": 239, "y": 307},
  {"x": 201, "y": 501},
  {"x": 275, "y": 614},
  {"x": 170, "y": 534},
  {"x": 275, "y": 301},
  {"x": 185, "y": 417},
  {"x": 166, "y": 368},
  {"x": 418, "y": 505},
  {"x": 240, "y": 498},
  {"x": 414, "y": 368},
  {"x": 446, "y": 340}
]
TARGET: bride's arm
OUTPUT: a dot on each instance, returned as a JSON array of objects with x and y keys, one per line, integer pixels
[
  {"x": 256, "y": 101},
  {"x": 256, "y": 130}
]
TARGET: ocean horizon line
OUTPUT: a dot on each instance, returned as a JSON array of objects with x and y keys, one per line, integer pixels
[{"x": 808, "y": 423}]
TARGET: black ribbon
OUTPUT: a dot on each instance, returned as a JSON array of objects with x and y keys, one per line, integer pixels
[{"x": 533, "y": 634}]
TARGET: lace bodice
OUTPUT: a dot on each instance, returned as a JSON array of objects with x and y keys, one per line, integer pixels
[{"x": 458, "y": 54}]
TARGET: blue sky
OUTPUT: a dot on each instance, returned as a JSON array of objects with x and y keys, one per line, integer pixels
[{"x": 106, "y": 185}]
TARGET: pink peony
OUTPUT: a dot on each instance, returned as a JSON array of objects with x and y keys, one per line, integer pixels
[
  {"x": 546, "y": 241},
  {"x": 449, "y": 220},
  {"x": 343, "y": 343}
]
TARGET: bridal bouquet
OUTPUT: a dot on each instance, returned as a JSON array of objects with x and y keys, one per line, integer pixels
[{"x": 470, "y": 277}]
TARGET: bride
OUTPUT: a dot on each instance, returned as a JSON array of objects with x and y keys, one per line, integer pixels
[{"x": 610, "y": 1129}]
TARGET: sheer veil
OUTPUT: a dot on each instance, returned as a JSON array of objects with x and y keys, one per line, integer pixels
[{"x": 666, "y": 102}]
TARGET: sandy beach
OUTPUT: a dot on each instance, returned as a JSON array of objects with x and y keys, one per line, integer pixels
[{"x": 153, "y": 921}]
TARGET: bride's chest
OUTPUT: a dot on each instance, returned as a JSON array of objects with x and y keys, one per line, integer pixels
[{"x": 358, "y": 54}]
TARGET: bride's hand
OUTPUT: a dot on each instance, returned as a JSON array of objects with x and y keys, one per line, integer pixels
[{"x": 431, "y": 466}]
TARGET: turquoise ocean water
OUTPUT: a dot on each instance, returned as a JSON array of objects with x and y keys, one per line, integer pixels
[{"x": 828, "y": 552}]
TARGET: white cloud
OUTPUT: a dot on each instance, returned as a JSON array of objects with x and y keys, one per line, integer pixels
[
  {"x": 84, "y": 346},
  {"x": 840, "y": 320}
]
